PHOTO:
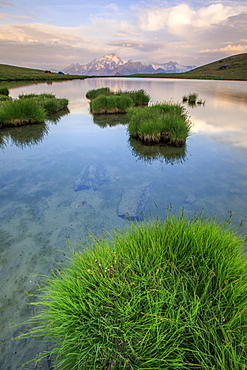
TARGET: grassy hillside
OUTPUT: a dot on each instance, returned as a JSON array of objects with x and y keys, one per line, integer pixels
[
  {"x": 12, "y": 73},
  {"x": 230, "y": 68}
]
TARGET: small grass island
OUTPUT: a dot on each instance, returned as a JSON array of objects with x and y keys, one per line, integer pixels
[
  {"x": 159, "y": 124},
  {"x": 161, "y": 295},
  {"x": 28, "y": 109},
  {"x": 105, "y": 101},
  {"x": 165, "y": 123},
  {"x": 192, "y": 99}
]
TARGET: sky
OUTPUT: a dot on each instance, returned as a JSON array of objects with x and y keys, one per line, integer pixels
[{"x": 52, "y": 34}]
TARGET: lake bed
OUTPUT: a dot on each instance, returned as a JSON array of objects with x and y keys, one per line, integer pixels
[{"x": 41, "y": 211}]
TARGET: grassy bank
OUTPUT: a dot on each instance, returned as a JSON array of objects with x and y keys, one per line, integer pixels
[
  {"x": 230, "y": 68},
  {"x": 161, "y": 295},
  {"x": 29, "y": 109},
  {"x": 160, "y": 123},
  {"x": 104, "y": 101},
  {"x": 12, "y": 73}
]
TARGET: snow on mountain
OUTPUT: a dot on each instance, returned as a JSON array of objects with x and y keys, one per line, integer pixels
[
  {"x": 172, "y": 67},
  {"x": 112, "y": 65},
  {"x": 107, "y": 63}
]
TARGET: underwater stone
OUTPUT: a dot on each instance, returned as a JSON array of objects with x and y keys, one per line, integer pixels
[
  {"x": 190, "y": 199},
  {"x": 133, "y": 202},
  {"x": 92, "y": 177}
]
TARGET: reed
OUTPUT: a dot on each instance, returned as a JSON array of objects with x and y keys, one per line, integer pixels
[
  {"x": 192, "y": 98},
  {"x": 160, "y": 295}
]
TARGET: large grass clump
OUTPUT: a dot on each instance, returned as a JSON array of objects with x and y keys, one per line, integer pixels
[
  {"x": 21, "y": 112},
  {"x": 161, "y": 295},
  {"x": 49, "y": 102},
  {"x": 105, "y": 101},
  {"x": 110, "y": 104},
  {"x": 30, "y": 108},
  {"x": 160, "y": 123},
  {"x": 93, "y": 94},
  {"x": 139, "y": 97}
]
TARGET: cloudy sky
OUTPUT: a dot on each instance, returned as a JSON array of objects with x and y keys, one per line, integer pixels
[{"x": 55, "y": 33}]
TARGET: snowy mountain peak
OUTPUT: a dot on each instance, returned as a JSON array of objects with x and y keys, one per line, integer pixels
[
  {"x": 112, "y": 65},
  {"x": 108, "y": 62}
]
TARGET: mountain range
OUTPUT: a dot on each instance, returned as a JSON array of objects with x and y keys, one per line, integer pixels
[{"x": 113, "y": 65}]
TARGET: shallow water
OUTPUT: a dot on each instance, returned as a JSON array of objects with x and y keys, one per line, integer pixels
[{"x": 41, "y": 212}]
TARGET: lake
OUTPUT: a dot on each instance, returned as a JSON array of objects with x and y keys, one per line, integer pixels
[{"x": 41, "y": 213}]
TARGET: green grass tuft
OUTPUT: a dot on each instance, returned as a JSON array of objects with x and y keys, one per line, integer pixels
[
  {"x": 4, "y": 91},
  {"x": 30, "y": 108},
  {"x": 4, "y": 98},
  {"x": 161, "y": 295},
  {"x": 139, "y": 97},
  {"x": 110, "y": 104},
  {"x": 104, "y": 101},
  {"x": 160, "y": 123},
  {"x": 93, "y": 94},
  {"x": 37, "y": 96},
  {"x": 21, "y": 112},
  {"x": 192, "y": 98}
]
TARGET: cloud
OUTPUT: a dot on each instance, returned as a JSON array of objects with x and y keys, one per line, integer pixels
[
  {"x": 178, "y": 19},
  {"x": 232, "y": 49},
  {"x": 6, "y": 3},
  {"x": 31, "y": 54},
  {"x": 42, "y": 32},
  {"x": 140, "y": 46},
  {"x": 11, "y": 16},
  {"x": 225, "y": 38},
  {"x": 187, "y": 33},
  {"x": 111, "y": 7},
  {"x": 149, "y": 32}
]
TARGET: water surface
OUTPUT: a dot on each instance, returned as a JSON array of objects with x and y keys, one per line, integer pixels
[{"x": 40, "y": 211}]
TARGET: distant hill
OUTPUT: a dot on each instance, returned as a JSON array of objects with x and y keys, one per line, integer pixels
[
  {"x": 13, "y": 73},
  {"x": 113, "y": 65},
  {"x": 230, "y": 68}
]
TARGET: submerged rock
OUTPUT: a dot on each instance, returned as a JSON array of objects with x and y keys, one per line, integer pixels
[
  {"x": 190, "y": 199},
  {"x": 133, "y": 202},
  {"x": 92, "y": 177},
  {"x": 234, "y": 191}
]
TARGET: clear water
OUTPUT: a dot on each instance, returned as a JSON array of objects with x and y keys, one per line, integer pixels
[{"x": 40, "y": 210}]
